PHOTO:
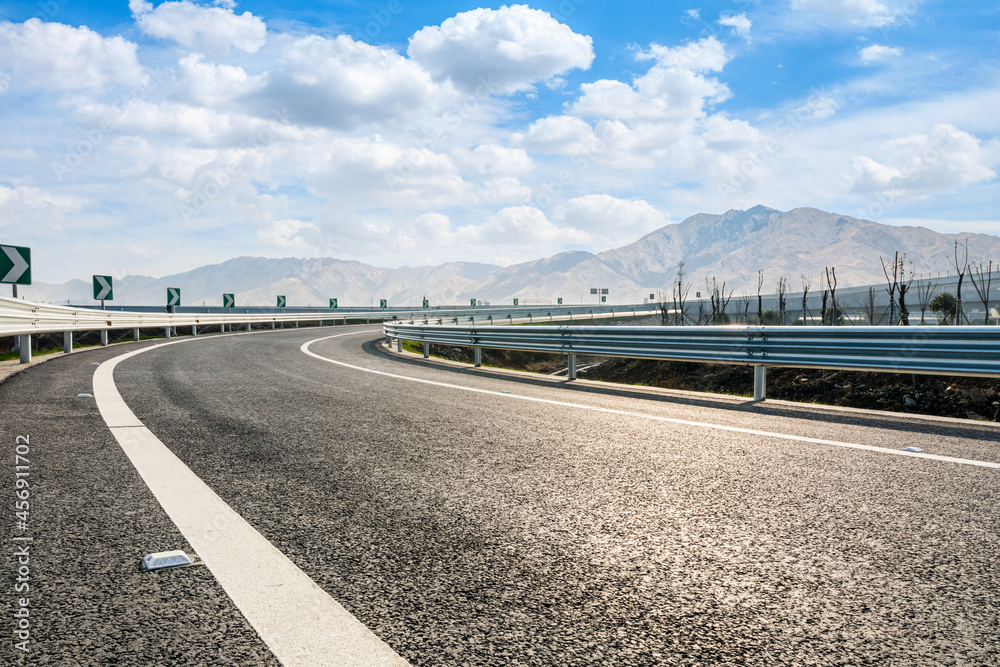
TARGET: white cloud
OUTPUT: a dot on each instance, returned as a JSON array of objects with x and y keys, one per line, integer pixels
[
  {"x": 861, "y": 13},
  {"x": 739, "y": 23},
  {"x": 502, "y": 51},
  {"x": 214, "y": 85},
  {"x": 491, "y": 161},
  {"x": 342, "y": 83},
  {"x": 610, "y": 221},
  {"x": 290, "y": 234},
  {"x": 922, "y": 165},
  {"x": 53, "y": 56},
  {"x": 209, "y": 30},
  {"x": 674, "y": 89},
  {"x": 878, "y": 53},
  {"x": 521, "y": 228}
]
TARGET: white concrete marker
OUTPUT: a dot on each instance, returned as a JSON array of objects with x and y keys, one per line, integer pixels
[
  {"x": 299, "y": 621},
  {"x": 670, "y": 420}
]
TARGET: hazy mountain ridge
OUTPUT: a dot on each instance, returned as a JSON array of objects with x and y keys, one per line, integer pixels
[{"x": 732, "y": 246}]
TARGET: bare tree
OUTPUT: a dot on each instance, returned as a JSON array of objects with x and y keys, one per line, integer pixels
[
  {"x": 760, "y": 299},
  {"x": 924, "y": 293},
  {"x": 831, "y": 283},
  {"x": 893, "y": 282},
  {"x": 719, "y": 299},
  {"x": 982, "y": 285},
  {"x": 681, "y": 290},
  {"x": 746, "y": 307},
  {"x": 961, "y": 266},
  {"x": 869, "y": 306},
  {"x": 904, "y": 287},
  {"x": 782, "y": 290},
  {"x": 805, "y": 293}
]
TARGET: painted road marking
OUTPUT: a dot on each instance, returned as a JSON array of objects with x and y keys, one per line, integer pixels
[
  {"x": 299, "y": 621},
  {"x": 669, "y": 420}
]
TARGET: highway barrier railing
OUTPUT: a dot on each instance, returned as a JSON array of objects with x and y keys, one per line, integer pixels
[
  {"x": 26, "y": 318},
  {"x": 937, "y": 350}
]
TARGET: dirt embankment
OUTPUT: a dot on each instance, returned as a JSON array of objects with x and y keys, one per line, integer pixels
[{"x": 962, "y": 397}]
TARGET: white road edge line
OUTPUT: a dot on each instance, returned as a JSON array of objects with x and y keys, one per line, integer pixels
[
  {"x": 299, "y": 621},
  {"x": 670, "y": 420}
]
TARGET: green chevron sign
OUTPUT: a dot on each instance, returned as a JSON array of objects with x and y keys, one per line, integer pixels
[
  {"x": 559, "y": 302},
  {"x": 515, "y": 302},
  {"x": 15, "y": 265},
  {"x": 103, "y": 288},
  {"x": 333, "y": 303},
  {"x": 281, "y": 302},
  {"x": 228, "y": 300},
  {"x": 427, "y": 304},
  {"x": 472, "y": 302},
  {"x": 173, "y": 296},
  {"x": 383, "y": 303}
]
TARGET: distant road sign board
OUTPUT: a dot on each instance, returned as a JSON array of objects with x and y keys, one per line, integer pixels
[
  {"x": 559, "y": 301},
  {"x": 281, "y": 302},
  {"x": 103, "y": 288},
  {"x": 173, "y": 296},
  {"x": 472, "y": 302},
  {"x": 383, "y": 303},
  {"x": 333, "y": 303},
  {"x": 604, "y": 299},
  {"x": 15, "y": 265},
  {"x": 228, "y": 300},
  {"x": 427, "y": 304},
  {"x": 515, "y": 302}
]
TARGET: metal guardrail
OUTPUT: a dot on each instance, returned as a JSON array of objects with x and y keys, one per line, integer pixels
[{"x": 971, "y": 351}]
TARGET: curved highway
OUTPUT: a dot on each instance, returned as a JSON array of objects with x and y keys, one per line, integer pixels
[{"x": 481, "y": 517}]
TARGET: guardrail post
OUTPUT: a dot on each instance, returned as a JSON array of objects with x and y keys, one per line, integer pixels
[
  {"x": 571, "y": 367},
  {"x": 550, "y": 317},
  {"x": 273, "y": 325},
  {"x": 491, "y": 319},
  {"x": 427, "y": 350},
  {"x": 530, "y": 321},
  {"x": 25, "y": 343},
  {"x": 510, "y": 319},
  {"x": 477, "y": 355},
  {"x": 167, "y": 330},
  {"x": 104, "y": 336},
  {"x": 399, "y": 345},
  {"x": 135, "y": 334},
  {"x": 248, "y": 326},
  {"x": 67, "y": 341},
  {"x": 194, "y": 329},
  {"x": 388, "y": 341},
  {"x": 296, "y": 324},
  {"x": 759, "y": 383}
]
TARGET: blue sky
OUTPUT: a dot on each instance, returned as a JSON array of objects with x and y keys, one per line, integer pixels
[{"x": 156, "y": 137}]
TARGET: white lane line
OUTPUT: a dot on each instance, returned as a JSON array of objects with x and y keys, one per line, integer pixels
[
  {"x": 299, "y": 621},
  {"x": 669, "y": 420}
]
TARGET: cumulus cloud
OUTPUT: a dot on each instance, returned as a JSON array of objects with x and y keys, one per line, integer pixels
[
  {"x": 342, "y": 83},
  {"x": 739, "y": 23},
  {"x": 53, "y": 56},
  {"x": 290, "y": 234},
  {"x": 214, "y": 85},
  {"x": 861, "y": 13},
  {"x": 610, "y": 221},
  {"x": 878, "y": 53},
  {"x": 520, "y": 227},
  {"x": 212, "y": 31},
  {"x": 674, "y": 89},
  {"x": 504, "y": 50},
  {"x": 921, "y": 165}
]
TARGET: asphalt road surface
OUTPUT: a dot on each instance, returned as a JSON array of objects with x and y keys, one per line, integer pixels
[{"x": 529, "y": 521}]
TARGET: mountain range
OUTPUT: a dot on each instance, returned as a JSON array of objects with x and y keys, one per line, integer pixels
[{"x": 733, "y": 247}]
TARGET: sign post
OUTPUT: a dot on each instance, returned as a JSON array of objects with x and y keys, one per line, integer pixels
[{"x": 103, "y": 289}]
